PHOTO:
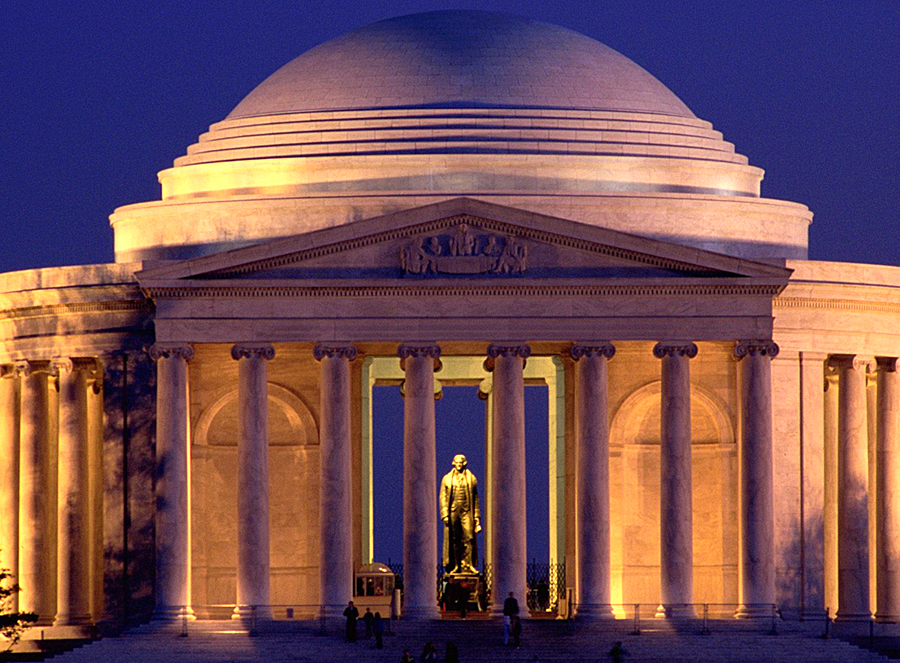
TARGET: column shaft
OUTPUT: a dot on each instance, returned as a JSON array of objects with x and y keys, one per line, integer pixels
[
  {"x": 592, "y": 497},
  {"x": 853, "y": 509},
  {"x": 253, "y": 571},
  {"x": 35, "y": 491},
  {"x": 420, "y": 555},
  {"x": 173, "y": 539},
  {"x": 9, "y": 475},
  {"x": 757, "y": 480},
  {"x": 335, "y": 487},
  {"x": 73, "y": 519},
  {"x": 888, "y": 492},
  {"x": 508, "y": 499},
  {"x": 676, "y": 510}
]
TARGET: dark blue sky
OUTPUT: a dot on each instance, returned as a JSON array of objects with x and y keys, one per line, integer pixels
[{"x": 99, "y": 96}]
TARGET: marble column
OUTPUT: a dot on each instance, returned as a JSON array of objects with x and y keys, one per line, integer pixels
[
  {"x": 36, "y": 494},
  {"x": 853, "y": 480},
  {"x": 757, "y": 479},
  {"x": 253, "y": 597},
  {"x": 73, "y": 570},
  {"x": 510, "y": 557},
  {"x": 888, "y": 492},
  {"x": 335, "y": 486},
  {"x": 676, "y": 510},
  {"x": 592, "y": 481},
  {"x": 9, "y": 474},
  {"x": 420, "y": 551},
  {"x": 830, "y": 512},
  {"x": 173, "y": 526}
]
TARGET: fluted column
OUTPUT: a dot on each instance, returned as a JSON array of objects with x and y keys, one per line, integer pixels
[
  {"x": 419, "y": 481},
  {"x": 510, "y": 555},
  {"x": 757, "y": 479},
  {"x": 592, "y": 496},
  {"x": 888, "y": 492},
  {"x": 253, "y": 595},
  {"x": 73, "y": 507},
  {"x": 35, "y": 493},
  {"x": 335, "y": 486},
  {"x": 676, "y": 510},
  {"x": 173, "y": 526},
  {"x": 853, "y": 473},
  {"x": 9, "y": 474}
]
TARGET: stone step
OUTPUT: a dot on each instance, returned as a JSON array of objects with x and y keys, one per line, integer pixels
[{"x": 227, "y": 641}]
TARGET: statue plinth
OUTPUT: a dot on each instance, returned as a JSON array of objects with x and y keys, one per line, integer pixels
[{"x": 463, "y": 591}]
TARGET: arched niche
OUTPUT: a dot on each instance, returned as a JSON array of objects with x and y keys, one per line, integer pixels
[
  {"x": 293, "y": 500},
  {"x": 291, "y": 423},
  {"x": 635, "y": 490}
]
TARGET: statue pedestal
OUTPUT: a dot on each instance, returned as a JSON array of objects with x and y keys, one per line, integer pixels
[{"x": 463, "y": 592}]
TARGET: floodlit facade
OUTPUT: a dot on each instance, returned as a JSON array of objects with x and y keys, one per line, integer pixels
[{"x": 457, "y": 198}]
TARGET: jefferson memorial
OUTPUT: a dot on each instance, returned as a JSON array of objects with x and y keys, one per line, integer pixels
[{"x": 453, "y": 198}]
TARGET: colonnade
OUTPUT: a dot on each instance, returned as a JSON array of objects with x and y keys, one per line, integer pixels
[
  {"x": 40, "y": 399},
  {"x": 29, "y": 403},
  {"x": 851, "y": 411},
  {"x": 507, "y": 362}
]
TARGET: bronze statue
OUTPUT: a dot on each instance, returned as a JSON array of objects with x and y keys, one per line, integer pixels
[{"x": 461, "y": 514}]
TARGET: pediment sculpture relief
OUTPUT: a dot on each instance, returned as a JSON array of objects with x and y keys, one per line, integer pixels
[{"x": 464, "y": 251}]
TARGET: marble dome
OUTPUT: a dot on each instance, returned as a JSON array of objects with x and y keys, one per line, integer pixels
[
  {"x": 460, "y": 59},
  {"x": 422, "y": 108}
]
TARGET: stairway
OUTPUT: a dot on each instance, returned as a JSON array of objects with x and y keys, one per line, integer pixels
[{"x": 478, "y": 641}]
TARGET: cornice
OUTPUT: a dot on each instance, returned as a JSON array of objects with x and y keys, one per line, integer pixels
[
  {"x": 74, "y": 308},
  {"x": 836, "y": 304},
  {"x": 692, "y": 290}
]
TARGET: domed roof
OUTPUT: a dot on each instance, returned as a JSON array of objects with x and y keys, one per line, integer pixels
[{"x": 460, "y": 59}]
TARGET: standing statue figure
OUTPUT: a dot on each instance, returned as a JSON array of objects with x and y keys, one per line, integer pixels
[{"x": 462, "y": 518}]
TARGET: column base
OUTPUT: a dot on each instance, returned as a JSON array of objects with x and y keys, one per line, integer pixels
[
  {"x": 592, "y": 611},
  {"x": 853, "y": 617},
  {"x": 250, "y": 612},
  {"x": 63, "y": 619},
  {"x": 676, "y": 611},
  {"x": 753, "y": 611},
  {"x": 173, "y": 614}
]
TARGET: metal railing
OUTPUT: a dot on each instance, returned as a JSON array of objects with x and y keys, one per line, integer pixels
[{"x": 699, "y": 618}]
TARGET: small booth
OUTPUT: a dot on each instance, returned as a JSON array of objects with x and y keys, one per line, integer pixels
[{"x": 374, "y": 588}]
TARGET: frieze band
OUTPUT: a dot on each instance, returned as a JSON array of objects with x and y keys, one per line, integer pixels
[
  {"x": 345, "y": 351},
  {"x": 753, "y": 348},
  {"x": 264, "y": 351},
  {"x": 688, "y": 350},
  {"x": 604, "y": 349}
]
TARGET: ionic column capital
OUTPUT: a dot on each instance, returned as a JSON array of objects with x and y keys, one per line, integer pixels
[
  {"x": 670, "y": 349},
  {"x": 887, "y": 364},
  {"x": 855, "y": 362},
  {"x": 593, "y": 349},
  {"x": 433, "y": 350},
  {"x": 346, "y": 351},
  {"x": 249, "y": 350},
  {"x": 7, "y": 371},
  {"x": 60, "y": 365},
  {"x": 27, "y": 367},
  {"x": 159, "y": 351},
  {"x": 755, "y": 348},
  {"x": 494, "y": 350}
]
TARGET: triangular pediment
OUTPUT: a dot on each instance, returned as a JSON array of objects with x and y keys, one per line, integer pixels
[{"x": 461, "y": 239}]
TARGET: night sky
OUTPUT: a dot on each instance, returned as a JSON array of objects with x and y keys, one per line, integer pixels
[{"x": 99, "y": 96}]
